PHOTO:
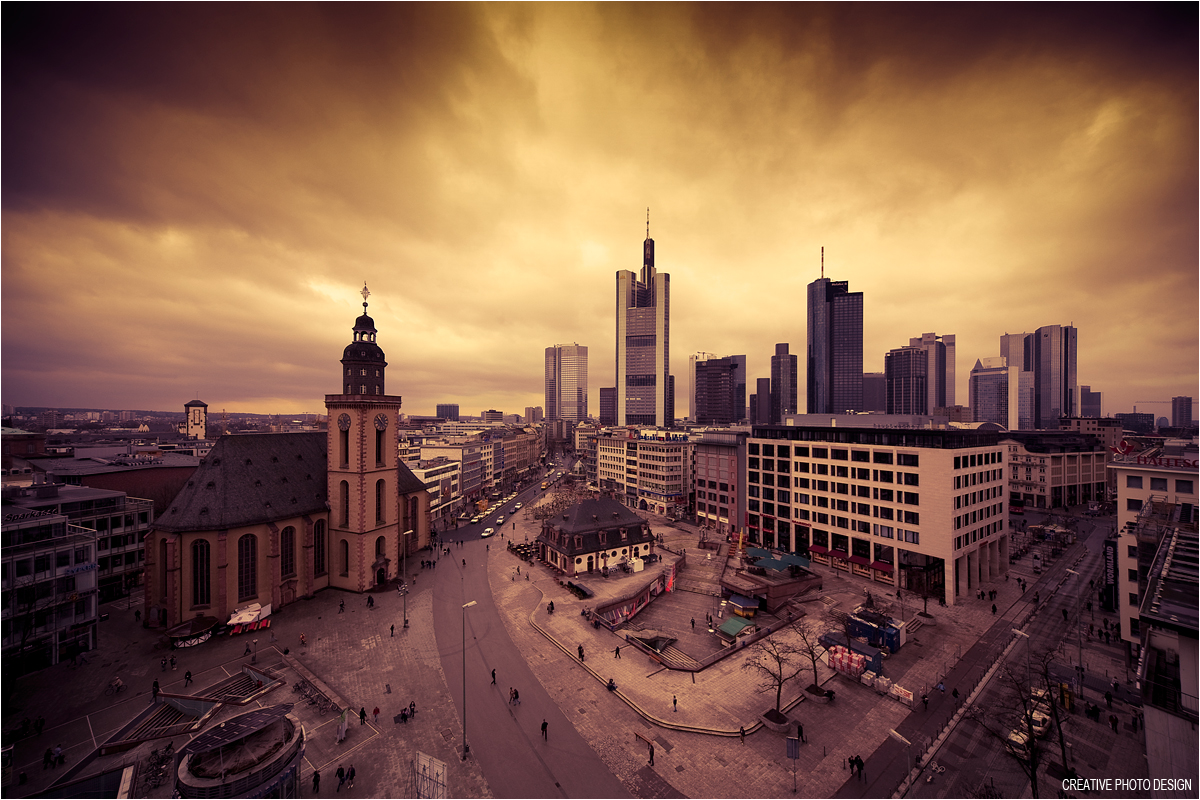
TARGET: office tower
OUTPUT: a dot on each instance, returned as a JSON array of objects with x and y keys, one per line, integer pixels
[
  {"x": 608, "y": 405},
  {"x": 644, "y": 393},
  {"x": 874, "y": 392},
  {"x": 720, "y": 390},
  {"x": 783, "y": 383},
  {"x": 940, "y": 352},
  {"x": 988, "y": 392},
  {"x": 760, "y": 403},
  {"x": 533, "y": 414},
  {"x": 566, "y": 382},
  {"x": 1089, "y": 402},
  {"x": 448, "y": 411},
  {"x": 1181, "y": 412},
  {"x": 835, "y": 341},
  {"x": 907, "y": 372},
  {"x": 691, "y": 389},
  {"x": 1016, "y": 350},
  {"x": 1055, "y": 386}
]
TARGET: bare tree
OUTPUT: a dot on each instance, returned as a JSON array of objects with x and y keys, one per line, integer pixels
[
  {"x": 810, "y": 648},
  {"x": 775, "y": 662}
]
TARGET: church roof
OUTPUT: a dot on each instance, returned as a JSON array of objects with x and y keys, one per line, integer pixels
[{"x": 250, "y": 479}]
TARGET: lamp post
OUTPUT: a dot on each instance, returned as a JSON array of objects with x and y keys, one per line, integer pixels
[
  {"x": 466, "y": 747},
  {"x": 907, "y": 744},
  {"x": 404, "y": 581},
  {"x": 1028, "y": 674},
  {"x": 254, "y": 658},
  {"x": 1079, "y": 628}
]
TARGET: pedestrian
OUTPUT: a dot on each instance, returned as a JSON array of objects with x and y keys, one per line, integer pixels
[
  {"x": 800, "y": 732},
  {"x": 154, "y": 692},
  {"x": 674, "y": 703},
  {"x": 48, "y": 759},
  {"x": 38, "y": 724},
  {"x": 341, "y": 776},
  {"x": 412, "y": 708},
  {"x": 494, "y": 674},
  {"x": 164, "y": 663},
  {"x": 1064, "y": 612},
  {"x": 861, "y": 764},
  {"x": 651, "y": 763},
  {"x": 375, "y": 715},
  {"x": 742, "y": 733},
  {"x": 954, "y": 694},
  {"x": 247, "y": 649},
  {"x": 1112, "y": 720},
  {"x": 362, "y": 716},
  {"x": 316, "y": 781},
  {"x": 510, "y": 695},
  {"x": 898, "y": 597},
  {"x": 350, "y": 777},
  {"x": 693, "y": 623},
  {"x": 617, "y": 652},
  {"x": 1108, "y": 637},
  {"x": 581, "y": 652},
  {"x": 342, "y": 607},
  {"x": 925, "y": 700},
  {"x": 172, "y": 663},
  {"x": 941, "y": 687},
  {"x": 544, "y": 726},
  {"x": 853, "y": 765},
  {"x": 516, "y": 697},
  {"x": 187, "y": 678},
  {"x": 993, "y": 609},
  {"x": 1108, "y": 699},
  {"x": 1134, "y": 720},
  {"x": 137, "y": 615},
  {"x": 393, "y": 630},
  {"x": 59, "y": 758}
]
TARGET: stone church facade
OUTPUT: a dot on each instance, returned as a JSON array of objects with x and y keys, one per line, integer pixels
[{"x": 272, "y": 518}]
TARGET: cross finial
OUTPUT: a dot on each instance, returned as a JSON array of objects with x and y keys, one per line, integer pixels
[{"x": 365, "y": 294}]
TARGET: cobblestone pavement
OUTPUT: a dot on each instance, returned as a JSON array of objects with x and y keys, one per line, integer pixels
[{"x": 698, "y": 750}]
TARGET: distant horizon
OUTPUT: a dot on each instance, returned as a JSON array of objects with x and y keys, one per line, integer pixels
[{"x": 204, "y": 226}]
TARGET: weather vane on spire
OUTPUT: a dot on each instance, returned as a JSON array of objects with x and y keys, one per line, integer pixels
[{"x": 365, "y": 293}]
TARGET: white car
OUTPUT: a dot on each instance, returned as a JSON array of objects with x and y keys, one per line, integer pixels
[
  {"x": 499, "y": 520},
  {"x": 516, "y": 508},
  {"x": 487, "y": 532},
  {"x": 475, "y": 519}
]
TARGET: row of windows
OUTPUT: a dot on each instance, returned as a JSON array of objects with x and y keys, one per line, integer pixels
[
  {"x": 963, "y": 481},
  {"x": 977, "y": 497},
  {"x": 987, "y": 530},
  {"x": 836, "y": 454},
  {"x": 964, "y": 520},
  {"x": 44, "y": 562},
  {"x": 1160, "y": 484},
  {"x": 247, "y": 567}
]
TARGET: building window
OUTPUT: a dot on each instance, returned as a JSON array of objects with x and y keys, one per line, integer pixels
[
  {"x": 319, "y": 544},
  {"x": 344, "y": 447},
  {"x": 1133, "y": 504},
  {"x": 1158, "y": 484},
  {"x": 1184, "y": 487},
  {"x": 201, "y": 573},
  {"x": 1133, "y": 599},
  {"x": 380, "y": 546},
  {"x": 344, "y": 546},
  {"x": 344, "y": 503},
  {"x": 380, "y": 486},
  {"x": 1133, "y": 481},
  {"x": 247, "y": 567},
  {"x": 287, "y": 551}
]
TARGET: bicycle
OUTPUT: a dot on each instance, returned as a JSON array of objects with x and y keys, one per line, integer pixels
[{"x": 113, "y": 689}]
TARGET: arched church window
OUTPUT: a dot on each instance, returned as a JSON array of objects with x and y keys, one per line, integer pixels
[
  {"x": 380, "y": 546},
  {"x": 344, "y": 546},
  {"x": 344, "y": 503},
  {"x": 319, "y": 547},
  {"x": 380, "y": 500},
  {"x": 287, "y": 551},
  {"x": 247, "y": 567},
  {"x": 201, "y": 573}
]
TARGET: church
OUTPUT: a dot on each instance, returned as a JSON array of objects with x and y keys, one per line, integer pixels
[{"x": 273, "y": 518}]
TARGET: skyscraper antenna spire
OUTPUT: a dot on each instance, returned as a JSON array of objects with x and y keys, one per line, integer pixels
[
  {"x": 647, "y": 222},
  {"x": 822, "y": 261}
]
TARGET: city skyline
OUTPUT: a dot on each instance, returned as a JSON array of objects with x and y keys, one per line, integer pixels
[{"x": 195, "y": 195}]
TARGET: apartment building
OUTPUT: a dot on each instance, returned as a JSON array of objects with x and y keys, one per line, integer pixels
[
  {"x": 1055, "y": 469},
  {"x": 720, "y": 464},
  {"x": 647, "y": 470},
  {"x": 921, "y": 510}
]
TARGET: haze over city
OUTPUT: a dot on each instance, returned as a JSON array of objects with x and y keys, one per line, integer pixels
[{"x": 193, "y": 196}]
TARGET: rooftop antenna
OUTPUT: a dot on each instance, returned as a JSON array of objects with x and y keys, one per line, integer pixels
[
  {"x": 647, "y": 222},
  {"x": 822, "y": 261}
]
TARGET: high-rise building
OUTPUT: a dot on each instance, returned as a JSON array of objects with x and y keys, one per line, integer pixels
[
  {"x": 1089, "y": 402},
  {"x": 532, "y": 414},
  {"x": 644, "y": 392},
  {"x": 835, "y": 343},
  {"x": 608, "y": 405},
  {"x": 1181, "y": 412},
  {"x": 720, "y": 387},
  {"x": 693, "y": 359},
  {"x": 783, "y": 383},
  {"x": 760, "y": 403},
  {"x": 1056, "y": 389},
  {"x": 907, "y": 371},
  {"x": 448, "y": 411},
  {"x": 988, "y": 391},
  {"x": 940, "y": 352},
  {"x": 566, "y": 382},
  {"x": 874, "y": 392}
]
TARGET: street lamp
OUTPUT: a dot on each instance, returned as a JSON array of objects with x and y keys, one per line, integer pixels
[
  {"x": 404, "y": 581},
  {"x": 1079, "y": 628},
  {"x": 466, "y": 747},
  {"x": 254, "y": 658},
  {"x": 907, "y": 744},
  {"x": 1028, "y": 674}
]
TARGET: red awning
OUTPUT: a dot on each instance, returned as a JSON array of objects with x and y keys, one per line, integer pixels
[
  {"x": 839, "y": 554},
  {"x": 816, "y": 548},
  {"x": 882, "y": 566},
  {"x": 860, "y": 560}
]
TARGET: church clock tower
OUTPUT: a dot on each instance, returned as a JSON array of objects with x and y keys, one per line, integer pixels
[{"x": 366, "y": 515}]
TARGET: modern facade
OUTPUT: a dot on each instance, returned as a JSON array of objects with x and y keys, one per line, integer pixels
[
  {"x": 645, "y": 395},
  {"x": 835, "y": 348},
  {"x": 1056, "y": 388},
  {"x": 720, "y": 461},
  {"x": 646, "y": 470},
  {"x": 1055, "y": 469},
  {"x": 567, "y": 382},
  {"x": 608, "y": 405},
  {"x": 448, "y": 411},
  {"x": 783, "y": 383},
  {"x": 1089, "y": 402},
  {"x": 919, "y": 509},
  {"x": 720, "y": 390},
  {"x": 940, "y": 353},
  {"x": 875, "y": 392},
  {"x": 988, "y": 392},
  {"x": 908, "y": 379},
  {"x": 1181, "y": 412},
  {"x": 692, "y": 387},
  {"x": 760, "y": 403},
  {"x": 1016, "y": 350}
]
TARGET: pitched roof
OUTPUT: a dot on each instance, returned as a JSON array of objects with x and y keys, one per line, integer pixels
[
  {"x": 407, "y": 482},
  {"x": 249, "y": 479},
  {"x": 602, "y": 514}
]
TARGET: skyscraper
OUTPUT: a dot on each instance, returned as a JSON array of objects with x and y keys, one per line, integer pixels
[
  {"x": 988, "y": 391},
  {"x": 940, "y": 351},
  {"x": 608, "y": 405},
  {"x": 448, "y": 411},
  {"x": 693, "y": 359},
  {"x": 760, "y": 403},
  {"x": 567, "y": 382},
  {"x": 907, "y": 371},
  {"x": 783, "y": 383},
  {"x": 720, "y": 390},
  {"x": 1089, "y": 402},
  {"x": 835, "y": 344},
  {"x": 645, "y": 395},
  {"x": 1056, "y": 389},
  {"x": 1181, "y": 412}
]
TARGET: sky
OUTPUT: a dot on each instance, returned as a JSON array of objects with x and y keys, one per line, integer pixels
[{"x": 193, "y": 196}]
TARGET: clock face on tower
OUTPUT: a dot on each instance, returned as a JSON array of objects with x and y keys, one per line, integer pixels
[
  {"x": 381, "y": 422},
  {"x": 344, "y": 422}
]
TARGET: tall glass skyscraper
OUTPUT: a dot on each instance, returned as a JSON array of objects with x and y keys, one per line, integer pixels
[
  {"x": 567, "y": 382},
  {"x": 1056, "y": 388},
  {"x": 783, "y": 384},
  {"x": 720, "y": 390},
  {"x": 835, "y": 347},
  {"x": 645, "y": 394}
]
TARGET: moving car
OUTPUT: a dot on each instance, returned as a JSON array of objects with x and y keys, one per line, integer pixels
[
  {"x": 499, "y": 520},
  {"x": 487, "y": 532},
  {"x": 516, "y": 507}
]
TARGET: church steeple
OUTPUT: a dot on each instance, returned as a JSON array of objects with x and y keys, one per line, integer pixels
[{"x": 363, "y": 363}]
